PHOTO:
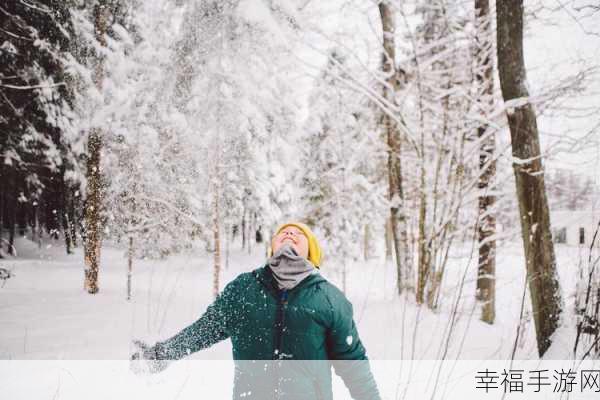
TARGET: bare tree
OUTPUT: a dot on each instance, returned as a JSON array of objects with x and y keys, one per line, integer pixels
[
  {"x": 587, "y": 301},
  {"x": 439, "y": 72},
  {"x": 540, "y": 260}
]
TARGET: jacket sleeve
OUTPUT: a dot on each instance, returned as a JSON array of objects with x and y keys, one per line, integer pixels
[
  {"x": 347, "y": 354},
  {"x": 210, "y": 328}
]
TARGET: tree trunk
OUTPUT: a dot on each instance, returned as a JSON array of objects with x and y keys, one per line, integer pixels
[
  {"x": 243, "y": 229},
  {"x": 132, "y": 226},
  {"x": 73, "y": 219},
  {"x": 367, "y": 242},
  {"x": 486, "y": 281},
  {"x": 21, "y": 217},
  {"x": 129, "y": 267},
  {"x": 394, "y": 142},
  {"x": 37, "y": 225},
  {"x": 217, "y": 253},
  {"x": 251, "y": 220},
  {"x": 388, "y": 239},
  {"x": 64, "y": 216},
  {"x": 92, "y": 215},
  {"x": 94, "y": 194},
  {"x": 12, "y": 227},
  {"x": 424, "y": 260},
  {"x": 11, "y": 209},
  {"x": 31, "y": 220},
  {"x": 227, "y": 243},
  {"x": 2, "y": 203},
  {"x": 67, "y": 230},
  {"x": 544, "y": 288}
]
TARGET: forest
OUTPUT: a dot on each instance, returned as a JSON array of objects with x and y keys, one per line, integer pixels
[{"x": 445, "y": 153}]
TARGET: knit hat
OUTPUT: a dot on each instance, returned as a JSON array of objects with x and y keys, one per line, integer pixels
[{"x": 314, "y": 250}]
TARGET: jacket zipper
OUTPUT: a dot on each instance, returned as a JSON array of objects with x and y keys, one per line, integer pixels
[{"x": 280, "y": 325}]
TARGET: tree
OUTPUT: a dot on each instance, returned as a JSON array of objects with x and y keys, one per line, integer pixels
[
  {"x": 536, "y": 233},
  {"x": 39, "y": 165},
  {"x": 148, "y": 166},
  {"x": 340, "y": 190},
  {"x": 194, "y": 143},
  {"x": 439, "y": 124},
  {"x": 94, "y": 204},
  {"x": 486, "y": 291},
  {"x": 398, "y": 218}
]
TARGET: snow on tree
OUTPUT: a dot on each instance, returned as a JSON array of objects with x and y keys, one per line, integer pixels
[
  {"x": 486, "y": 134},
  {"x": 441, "y": 120},
  {"x": 40, "y": 144},
  {"x": 198, "y": 111},
  {"x": 341, "y": 191},
  {"x": 392, "y": 76}
]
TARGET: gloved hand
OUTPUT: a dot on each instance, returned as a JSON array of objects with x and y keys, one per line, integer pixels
[{"x": 145, "y": 358}]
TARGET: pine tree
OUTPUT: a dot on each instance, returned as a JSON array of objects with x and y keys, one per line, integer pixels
[{"x": 39, "y": 164}]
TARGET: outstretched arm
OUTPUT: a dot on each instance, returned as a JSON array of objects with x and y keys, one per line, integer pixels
[{"x": 210, "y": 328}]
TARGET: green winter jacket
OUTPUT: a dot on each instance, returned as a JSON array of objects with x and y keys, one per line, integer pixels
[{"x": 311, "y": 325}]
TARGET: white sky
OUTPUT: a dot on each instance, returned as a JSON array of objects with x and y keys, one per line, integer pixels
[{"x": 556, "y": 47}]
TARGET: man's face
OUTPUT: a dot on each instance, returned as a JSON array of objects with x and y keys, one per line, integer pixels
[{"x": 292, "y": 236}]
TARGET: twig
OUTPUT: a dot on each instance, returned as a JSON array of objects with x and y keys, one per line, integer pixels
[
  {"x": 588, "y": 291},
  {"x": 33, "y": 86}
]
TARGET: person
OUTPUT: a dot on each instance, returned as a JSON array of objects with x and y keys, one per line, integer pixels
[{"x": 286, "y": 312}]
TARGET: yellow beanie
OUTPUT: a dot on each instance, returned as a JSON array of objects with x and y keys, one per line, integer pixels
[{"x": 314, "y": 250}]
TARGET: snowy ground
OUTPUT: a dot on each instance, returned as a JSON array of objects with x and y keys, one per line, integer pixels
[{"x": 45, "y": 315}]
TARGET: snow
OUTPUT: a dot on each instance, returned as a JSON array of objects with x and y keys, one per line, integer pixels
[
  {"x": 349, "y": 340},
  {"x": 254, "y": 100},
  {"x": 8, "y": 47},
  {"x": 257, "y": 13},
  {"x": 72, "y": 338}
]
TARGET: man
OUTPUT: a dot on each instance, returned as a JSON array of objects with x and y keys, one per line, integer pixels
[{"x": 284, "y": 310}]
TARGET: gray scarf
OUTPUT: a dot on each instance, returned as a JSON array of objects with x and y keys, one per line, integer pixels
[{"x": 288, "y": 268}]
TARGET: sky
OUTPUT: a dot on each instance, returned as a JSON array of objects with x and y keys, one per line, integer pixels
[{"x": 558, "y": 45}]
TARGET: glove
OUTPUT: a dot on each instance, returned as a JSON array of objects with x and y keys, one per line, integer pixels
[{"x": 146, "y": 359}]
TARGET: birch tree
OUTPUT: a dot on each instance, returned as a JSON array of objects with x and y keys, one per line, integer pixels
[{"x": 398, "y": 218}]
